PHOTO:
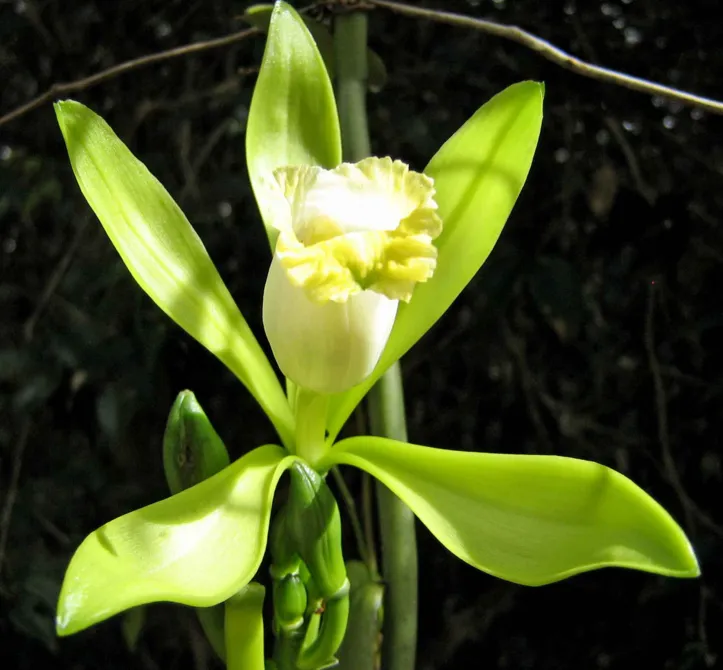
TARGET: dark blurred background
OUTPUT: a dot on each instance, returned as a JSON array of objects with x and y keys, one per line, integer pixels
[{"x": 593, "y": 330}]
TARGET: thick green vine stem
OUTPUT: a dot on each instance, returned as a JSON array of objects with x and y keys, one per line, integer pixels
[
  {"x": 350, "y": 51},
  {"x": 361, "y": 647},
  {"x": 399, "y": 548},
  {"x": 398, "y": 534}
]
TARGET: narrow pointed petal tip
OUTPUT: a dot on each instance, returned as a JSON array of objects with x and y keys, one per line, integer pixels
[{"x": 690, "y": 567}]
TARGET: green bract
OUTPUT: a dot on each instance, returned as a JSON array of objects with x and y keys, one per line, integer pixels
[
  {"x": 192, "y": 449},
  {"x": 199, "y": 547},
  {"x": 164, "y": 254},
  {"x": 527, "y": 519}
]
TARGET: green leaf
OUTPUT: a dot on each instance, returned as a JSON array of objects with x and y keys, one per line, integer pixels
[
  {"x": 165, "y": 255},
  {"x": 293, "y": 118},
  {"x": 527, "y": 519},
  {"x": 259, "y": 16},
  {"x": 478, "y": 174},
  {"x": 197, "y": 548}
]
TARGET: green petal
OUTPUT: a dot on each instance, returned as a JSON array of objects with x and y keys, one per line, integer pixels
[
  {"x": 197, "y": 548},
  {"x": 293, "y": 118},
  {"x": 478, "y": 174},
  {"x": 527, "y": 519},
  {"x": 164, "y": 254}
]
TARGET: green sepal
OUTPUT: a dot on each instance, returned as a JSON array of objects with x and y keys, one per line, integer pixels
[
  {"x": 196, "y": 548},
  {"x": 314, "y": 525},
  {"x": 244, "y": 626},
  {"x": 165, "y": 255},
  {"x": 478, "y": 174},
  {"x": 527, "y": 519},
  {"x": 259, "y": 16},
  {"x": 192, "y": 449},
  {"x": 293, "y": 118}
]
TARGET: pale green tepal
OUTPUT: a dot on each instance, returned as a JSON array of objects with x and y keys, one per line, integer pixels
[{"x": 528, "y": 519}]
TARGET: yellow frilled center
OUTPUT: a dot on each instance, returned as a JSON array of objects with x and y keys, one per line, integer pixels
[{"x": 363, "y": 226}]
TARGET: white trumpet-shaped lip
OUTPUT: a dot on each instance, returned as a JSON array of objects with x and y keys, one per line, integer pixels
[
  {"x": 353, "y": 242},
  {"x": 326, "y": 347}
]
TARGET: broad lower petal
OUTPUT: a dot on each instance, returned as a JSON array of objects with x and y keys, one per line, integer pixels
[
  {"x": 527, "y": 519},
  {"x": 197, "y": 548}
]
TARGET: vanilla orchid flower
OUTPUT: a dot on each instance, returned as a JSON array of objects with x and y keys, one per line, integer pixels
[
  {"x": 350, "y": 243},
  {"x": 353, "y": 242}
]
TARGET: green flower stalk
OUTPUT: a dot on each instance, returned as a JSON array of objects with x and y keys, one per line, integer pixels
[{"x": 366, "y": 258}]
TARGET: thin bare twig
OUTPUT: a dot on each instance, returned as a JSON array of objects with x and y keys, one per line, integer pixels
[
  {"x": 615, "y": 127},
  {"x": 368, "y": 518},
  {"x": 690, "y": 507},
  {"x": 515, "y": 345},
  {"x": 53, "y": 282},
  {"x": 554, "y": 54},
  {"x": 12, "y": 492},
  {"x": 356, "y": 525},
  {"x": 645, "y": 190},
  {"x": 513, "y": 33},
  {"x": 367, "y": 500},
  {"x": 64, "y": 88},
  {"x": 28, "y": 331}
]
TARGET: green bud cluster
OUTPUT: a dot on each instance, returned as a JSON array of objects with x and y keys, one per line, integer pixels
[{"x": 311, "y": 589}]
